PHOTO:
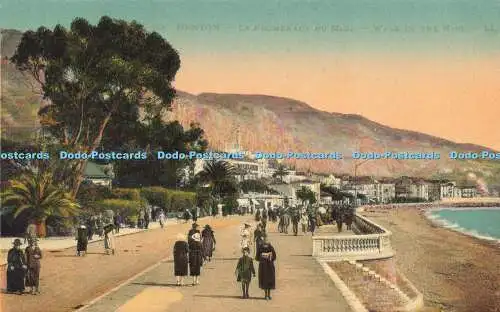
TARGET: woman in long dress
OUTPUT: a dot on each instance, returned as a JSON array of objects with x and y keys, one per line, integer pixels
[
  {"x": 33, "y": 256},
  {"x": 195, "y": 258},
  {"x": 81, "y": 240},
  {"x": 181, "y": 259},
  {"x": 16, "y": 268},
  {"x": 208, "y": 242},
  {"x": 266, "y": 256},
  {"x": 246, "y": 237}
]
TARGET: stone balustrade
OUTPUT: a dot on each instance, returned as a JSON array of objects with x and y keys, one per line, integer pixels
[{"x": 369, "y": 241}]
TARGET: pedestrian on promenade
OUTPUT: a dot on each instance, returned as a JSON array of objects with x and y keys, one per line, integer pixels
[
  {"x": 16, "y": 268},
  {"x": 295, "y": 222},
  {"x": 304, "y": 221},
  {"x": 30, "y": 233},
  {"x": 147, "y": 217},
  {"x": 246, "y": 239},
  {"x": 312, "y": 223},
  {"x": 195, "y": 228},
  {"x": 187, "y": 215},
  {"x": 161, "y": 218},
  {"x": 195, "y": 258},
  {"x": 33, "y": 256},
  {"x": 340, "y": 221},
  {"x": 194, "y": 213},
  {"x": 208, "y": 242},
  {"x": 81, "y": 240},
  {"x": 181, "y": 259},
  {"x": 109, "y": 239},
  {"x": 258, "y": 235},
  {"x": 266, "y": 256},
  {"x": 257, "y": 215},
  {"x": 117, "y": 220},
  {"x": 90, "y": 228},
  {"x": 349, "y": 218},
  {"x": 244, "y": 272}
]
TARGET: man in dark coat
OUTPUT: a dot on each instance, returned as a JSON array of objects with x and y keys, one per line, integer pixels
[
  {"x": 266, "y": 256},
  {"x": 295, "y": 221},
  {"x": 181, "y": 259},
  {"x": 16, "y": 268},
  {"x": 33, "y": 256}
]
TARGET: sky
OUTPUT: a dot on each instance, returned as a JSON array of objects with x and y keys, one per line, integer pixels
[{"x": 425, "y": 65}]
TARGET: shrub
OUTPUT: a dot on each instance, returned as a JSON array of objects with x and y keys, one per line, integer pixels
[
  {"x": 171, "y": 200},
  {"x": 126, "y": 208},
  {"x": 156, "y": 196},
  {"x": 127, "y": 193}
]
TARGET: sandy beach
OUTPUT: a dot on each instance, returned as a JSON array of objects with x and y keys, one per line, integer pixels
[{"x": 455, "y": 272}]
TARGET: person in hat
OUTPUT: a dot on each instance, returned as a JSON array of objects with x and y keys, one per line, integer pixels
[
  {"x": 195, "y": 228},
  {"x": 181, "y": 259},
  {"x": 33, "y": 256},
  {"x": 81, "y": 240},
  {"x": 195, "y": 258},
  {"x": 246, "y": 239},
  {"x": 16, "y": 268},
  {"x": 266, "y": 255},
  {"x": 109, "y": 239},
  {"x": 208, "y": 242},
  {"x": 258, "y": 235},
  {"x": 244, "y": 272}
]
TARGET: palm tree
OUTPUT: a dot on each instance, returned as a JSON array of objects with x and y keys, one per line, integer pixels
[
  {"x": 219, "y": 175},
  {"x": 280, "y": 172},
  {"x": 35, "y": 194}
]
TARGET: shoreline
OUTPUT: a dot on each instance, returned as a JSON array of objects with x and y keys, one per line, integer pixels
[
  {"x": 445, "y": 224},
  {"x": 455, "y": 272}
]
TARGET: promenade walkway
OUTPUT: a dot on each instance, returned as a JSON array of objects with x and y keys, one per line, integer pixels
[
  {"x": 68, "y": 281},
  {"x": 302, "y": 284},
  {"x": 63, "y": 242}
]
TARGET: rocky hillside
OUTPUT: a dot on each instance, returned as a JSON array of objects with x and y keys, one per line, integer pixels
[{"x": 273, "y": 124}]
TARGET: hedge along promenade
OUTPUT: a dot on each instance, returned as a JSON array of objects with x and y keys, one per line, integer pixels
[{"x": 128, "y": 202}]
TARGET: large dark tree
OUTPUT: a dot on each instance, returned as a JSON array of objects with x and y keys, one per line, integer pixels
[
  {"x": 93, "y": 74},
  {"x": 152, "y": 137}
]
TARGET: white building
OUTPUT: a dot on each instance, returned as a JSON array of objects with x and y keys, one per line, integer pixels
[{"x": 331, "y": 180}]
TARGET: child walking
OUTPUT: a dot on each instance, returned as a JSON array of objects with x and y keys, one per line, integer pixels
[{"x": 245, "y": 270}]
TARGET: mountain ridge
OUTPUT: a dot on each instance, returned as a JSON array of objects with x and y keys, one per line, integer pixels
[{"x": 257, "y": 122}]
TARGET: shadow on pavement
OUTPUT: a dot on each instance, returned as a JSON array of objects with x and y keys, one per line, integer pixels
[
  {"x": 156, "y": 284},
  {"x": 227, "y": 297},
  {"x": 226, "y": 259},
  {"x": 301, "y": 255}
]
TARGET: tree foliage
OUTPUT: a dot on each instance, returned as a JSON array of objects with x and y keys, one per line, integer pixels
[
  {"x": 153, "y": 137},
  {"x": 96, "y": 75},
  {"x": 36, "y": 194},
  {"x": 306, "y": 194},
  {"x": 220, "y": 176}
]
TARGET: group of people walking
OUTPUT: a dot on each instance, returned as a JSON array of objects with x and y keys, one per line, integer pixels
[
  {"x": 193, "y": 252},
  {"x": 82, "y": 239},
  {"x": 23, "y": 267},
  {"x": 308, "y": 220},
  {"x": 264, "y": 254}
]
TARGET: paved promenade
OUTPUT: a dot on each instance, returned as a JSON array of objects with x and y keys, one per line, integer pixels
[
  {"x": 58, "y": 243},
  {"x": 302, "y": 284}
]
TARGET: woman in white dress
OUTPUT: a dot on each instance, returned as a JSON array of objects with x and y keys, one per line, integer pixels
[{"x": 246, "y": 236}]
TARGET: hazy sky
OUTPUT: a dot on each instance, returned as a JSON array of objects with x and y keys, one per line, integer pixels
[{"x": 430, "y": 66}]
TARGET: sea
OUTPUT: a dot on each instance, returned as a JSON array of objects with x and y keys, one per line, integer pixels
[{"x": 483, "y": 223}]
